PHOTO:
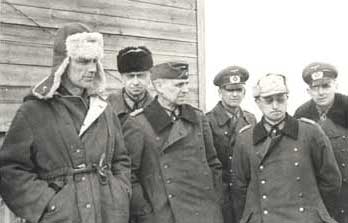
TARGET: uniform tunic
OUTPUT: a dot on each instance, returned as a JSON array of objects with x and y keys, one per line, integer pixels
[
  {"x": 335, "y": 125},
  {"x": 225, "y": 130},
  {"x": 64, "y": 160},
  {"x": 176, "y": 174},
  {"x": 123, "y": 107},
  {"x": 285, "y": 179}
]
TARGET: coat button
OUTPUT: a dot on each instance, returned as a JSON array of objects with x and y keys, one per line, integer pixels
[
  {"x": 230, "y": 184},
  {"x": 170, "y": 195},
  {"x": 165, "y": 166},
  {"x": 230, "y": 170},
  {"x": 83, "y": 178},
  {"x": 296, "y": 164},
  {"x": 264, "y": 197},
  {"x": 343, "y": 164},
  {"x": 261, "y": 167},
  {"x": 158, "y": 138},
  {"x": 78, "y": 150},
  {"x": 301, "y": 209},
  {"x": 342, "y": 211},
  {"x": 298, "y": 178},
  {"x": 295, "y": 149},
  {"x": 344, "y": 180},
  {"x": 226, "y": 133},
  {"x": 265, "y": 212},
  {"x": 229, "y": 157},
  {"x": 52, "y": 208},
  {"x": 196, "y": 213},
  {"x": 88, "y": 205},
  {"x": 300, "y": 195},
  {"x": 263, "y": 182},
  {"x": 168, "y": 181}
]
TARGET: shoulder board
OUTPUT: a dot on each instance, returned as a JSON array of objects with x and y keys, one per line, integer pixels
[
  {"x": 244, "y": 128},
  {"x": 136, "y": 112},
  {"x": 308, "y": 121}
]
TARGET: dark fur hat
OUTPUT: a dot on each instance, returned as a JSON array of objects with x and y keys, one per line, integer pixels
[{"x": 134, "y": 59}]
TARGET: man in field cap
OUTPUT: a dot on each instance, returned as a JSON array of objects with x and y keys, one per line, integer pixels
[
  {"x": 134, "y": 64},
  {"x": 226, "y": 119},
  {"x": 329, "y": 109},
  {"x": 283, "y": 167},
  {"x": 176, "y": 173},
  {"x": 64, "y": 159}
]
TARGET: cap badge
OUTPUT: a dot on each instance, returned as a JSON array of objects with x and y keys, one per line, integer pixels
[
  {"x": 234, "y": 79},
  {"x": 317, "y": 75}
]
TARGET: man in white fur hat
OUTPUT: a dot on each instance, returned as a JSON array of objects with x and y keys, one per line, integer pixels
[
  {"x": 64, "y": 159},
  {"x": 284, "y": 168}
]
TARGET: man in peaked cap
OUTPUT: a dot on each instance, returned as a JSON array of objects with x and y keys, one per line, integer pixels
[
  {"x": 176, "y": 175},
  {"x": 330, "y": 110},
  {"x": 283, "y": 167},
  {"x": 63, "y": 159},
  {"x": 133, "y": 64},
  {"x": 226, "y": 119}
]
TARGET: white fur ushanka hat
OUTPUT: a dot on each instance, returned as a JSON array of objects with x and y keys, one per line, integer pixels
[{"x": 72, "y": 41}]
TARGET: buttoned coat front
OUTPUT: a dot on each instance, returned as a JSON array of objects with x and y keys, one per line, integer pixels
[
  {"x": 176, "y": 173},
  {"x": 41, "y": 152},
  {"x": 286, "y": 182},
  {"x": 335, "y": 126}
]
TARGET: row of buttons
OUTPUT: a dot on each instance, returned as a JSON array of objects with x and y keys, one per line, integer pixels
[{"x": 300, "y": 209}]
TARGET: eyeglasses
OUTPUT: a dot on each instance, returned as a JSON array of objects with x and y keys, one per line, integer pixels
[{"x": 280, "y": 99}]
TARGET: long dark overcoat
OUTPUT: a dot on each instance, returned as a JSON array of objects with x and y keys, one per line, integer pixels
[
  {"x": 176, "y": 173},
  {"x": 335, "y": 125}
]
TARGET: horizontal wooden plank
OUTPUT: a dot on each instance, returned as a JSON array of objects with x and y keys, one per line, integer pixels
[
  {"x": 29, "y": 34},
  {"x": 105, "y": 24},
  {"x": 120, "y": 8},
  {"x": 7, "y": 112},
  {"x": 185, "y": 4},
  {"x": 15, "y": 94},
  {"x": 25, "y": 75},
  {"x": 41, "y": 55}
]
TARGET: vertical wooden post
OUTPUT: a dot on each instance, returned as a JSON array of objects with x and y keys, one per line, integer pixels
[{"x": 200, "y": 18}]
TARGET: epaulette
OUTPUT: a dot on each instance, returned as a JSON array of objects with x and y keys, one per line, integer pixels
[
  {"x": 310, "y": 121},
  {"x": 244, "y": 128},
  {"x": 136, "y": 112}
]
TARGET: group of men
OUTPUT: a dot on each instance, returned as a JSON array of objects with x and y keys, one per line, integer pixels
[{"x": 73, "y": 154}]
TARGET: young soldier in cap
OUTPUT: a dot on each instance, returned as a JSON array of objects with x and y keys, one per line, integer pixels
[
  {"x": 176, "y": 173},
  {"x": 63, "y": 159},
  {"x": 330, "y": 110},
  {"x": 283, "y": 167},
  {"x": 133, "y": 64},
  {"x": 226, "y": 119}
]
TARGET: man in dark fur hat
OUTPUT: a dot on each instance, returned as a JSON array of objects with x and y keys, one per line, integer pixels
[
  {"x": 133, "y": 64},
  {"x": 330, "y": 110}
]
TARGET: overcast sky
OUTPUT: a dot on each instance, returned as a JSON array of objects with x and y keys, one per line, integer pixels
[{"x": 275, "y": 36}]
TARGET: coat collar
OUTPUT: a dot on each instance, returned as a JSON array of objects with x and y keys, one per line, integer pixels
[
  {"x": 221, "y": 115},
  {"x": 159, "y": 119},
  {"x": 290, "y": 129},
  {"x": 338, "y": 112}
]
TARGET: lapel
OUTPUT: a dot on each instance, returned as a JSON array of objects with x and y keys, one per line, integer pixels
[
  {"x": 220, "y": 114},
  {"x": 265, "y": 145},
  {"x": 177, "y": 132},
  {"x": 96, "y": 108}
]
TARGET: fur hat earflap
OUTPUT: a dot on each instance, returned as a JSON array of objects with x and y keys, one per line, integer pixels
[{"x": 72, "y": 41}]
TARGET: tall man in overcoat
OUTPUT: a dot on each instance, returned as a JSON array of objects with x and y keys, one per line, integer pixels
[
  {"x": 283, "y": 167},
  {"x": 176, "y": 175},
  {"x": 330, "y": 110},
  {"x": 63, "y": 159},
  {"x": 134, "y": 64},
  {"x": 226, "y": 119}
]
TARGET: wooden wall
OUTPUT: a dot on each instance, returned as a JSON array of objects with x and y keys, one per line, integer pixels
[{"x": 171, "y": 29}]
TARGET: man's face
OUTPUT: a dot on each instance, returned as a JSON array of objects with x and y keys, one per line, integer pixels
[
  {"x": 232, "y": 97},
  {"x": 323, "y": 94},
  {"x": 273, "y": 107},
  {"x": 136, "y": 83},
  {"x": 173, "y": 91},
  {"x": 81, "y": 72}
]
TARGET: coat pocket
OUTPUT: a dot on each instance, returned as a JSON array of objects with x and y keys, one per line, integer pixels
[{"x": 61, "y": 208}]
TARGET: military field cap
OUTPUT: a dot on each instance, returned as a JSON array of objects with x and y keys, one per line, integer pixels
[
  {"x": 270, "y": 84},
  {"x": 170, "y": 70},
  {"x": 319, "y": 73},
  {"x": 231, "y": 77},
  {"x": 134, "y": 59}
]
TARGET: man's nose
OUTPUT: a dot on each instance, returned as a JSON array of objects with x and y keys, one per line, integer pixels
[
  {"x": 92, "y": 67},
  {"x": 185, "y": 88}
]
